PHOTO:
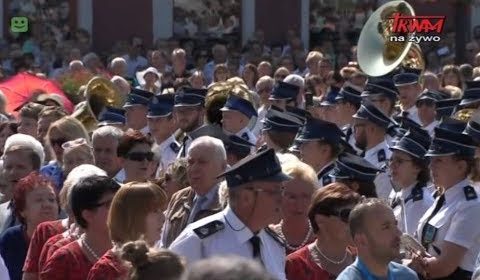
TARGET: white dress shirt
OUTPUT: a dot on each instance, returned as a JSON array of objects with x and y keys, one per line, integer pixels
[
  {"x": 246, "y": 134},
  {"x": 456, "y": 222},
  {"x": 167, "y": 150},
  {"x": 120, "y": 177},
  {"x": 223, "y": 234},
  {"x": 378, "y": 156},
  {"x": 3, "y": 270},
  {"x": 410, "y": 205},
  {"x": 430, "y": 128},
  {"x": 412, "y": 114}
]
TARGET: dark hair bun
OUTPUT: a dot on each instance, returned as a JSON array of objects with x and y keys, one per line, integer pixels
[{"x": 135, "y": 252}]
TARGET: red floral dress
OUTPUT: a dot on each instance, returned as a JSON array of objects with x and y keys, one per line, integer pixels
[
  {"x": 68, "y": 262},
  {"x": 300, "y": 266},
  {"x": 40, "y": 236},
  {"x": 53, "y": 244},
  {"x": 108, "y": 267}
]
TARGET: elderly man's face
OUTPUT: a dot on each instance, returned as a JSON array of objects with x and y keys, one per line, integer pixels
[
  {"x": 17, "y": 164},
  {"x": 203, "y": 166},
  {"x": 267, "y": 205},
  {"x": 105, "y": 154}
]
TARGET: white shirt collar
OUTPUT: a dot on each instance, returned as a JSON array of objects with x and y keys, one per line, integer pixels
[
  {"x": 241, "y": 231},
  {"x": 242, "y": 131},
  {"x": 404, "y": 193},
  {"x": 456, "y": 190},
  {"x": 145, "y": 131},
  {"x": 325, "y": 166},
  {"x": 120, "y": 177},
  {"x": 371, "y": 152},
  {"x": 166, "y": 142}
]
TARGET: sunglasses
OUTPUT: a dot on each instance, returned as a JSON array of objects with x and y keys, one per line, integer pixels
[
  {"x": 139, "y": 156},
  {"x": 58, "y": 142},
  {"x": 342, "y": 214}
]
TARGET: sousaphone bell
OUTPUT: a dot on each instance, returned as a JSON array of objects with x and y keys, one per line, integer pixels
[{"x": 377, "y": 55}]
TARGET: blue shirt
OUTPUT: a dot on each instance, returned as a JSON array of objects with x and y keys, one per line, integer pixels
[
  {"x": 13, "y": 248},
  {"x": 358, "y": 271}
]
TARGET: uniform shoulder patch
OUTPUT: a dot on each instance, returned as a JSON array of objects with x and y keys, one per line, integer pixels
[
  {"x": 206, "y": 230},
  {"x": 175, "y": 147},
  {"x": 470, "y": 193},
  {"x": 275, "y": 236},
  {"x": 326, "y": 180},
  {"x": 381, "y": 155}
]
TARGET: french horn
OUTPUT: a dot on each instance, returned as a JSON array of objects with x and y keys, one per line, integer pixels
[
  {"x": 99, "y": 93},
  {"x": 376, "y": 54},
  {"x": 217, "y": 97}
]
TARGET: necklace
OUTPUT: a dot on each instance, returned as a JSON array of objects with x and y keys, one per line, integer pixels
[
  {"x": 329, "y": 259},
  {"x": 89, "y": 249},
  {"x": 304, "y": 242}
]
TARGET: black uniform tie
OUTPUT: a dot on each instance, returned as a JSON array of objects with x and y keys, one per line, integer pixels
[
  {"x": 255, "y": 241},
  {"x": 440, "y": 202},
  {"x": 184, "y": 146}
]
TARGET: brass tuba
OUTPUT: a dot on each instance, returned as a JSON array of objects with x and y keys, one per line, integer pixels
[
  {"x": 376, "y": 54},
  {"x": 99, "y": 93},
  {"x": 217, "y": 96}
]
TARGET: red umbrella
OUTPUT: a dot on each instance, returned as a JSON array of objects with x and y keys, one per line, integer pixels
[{"x": 20, "y": 89}]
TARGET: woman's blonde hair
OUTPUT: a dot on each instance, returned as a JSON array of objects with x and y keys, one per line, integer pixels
[
  {"x": 300, "y": 171},
  {"x": 129, "y": 207},
  {"x": 70, "y": 128}
]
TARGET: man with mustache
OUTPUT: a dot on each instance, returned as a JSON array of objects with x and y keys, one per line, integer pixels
[{"x": 377, "y": 238}]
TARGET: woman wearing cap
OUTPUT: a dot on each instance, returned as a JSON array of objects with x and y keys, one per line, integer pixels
[
  {"x": 149, "y": 80},
  {"x": 448, "y": 230},
  {"x": 357, "y": 173},
  {"x": 61, "y": 131},
  {"x": 139, "y": 160},
  {"x": 295, "y": 228},
  {"x": 329, "y": 254},
  {"x": 136, "y": 212},
  {"x": 410, "y": 174}
]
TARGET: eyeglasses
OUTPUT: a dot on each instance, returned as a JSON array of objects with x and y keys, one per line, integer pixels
[
  {"x": 139, "y": 156},
  {"x": 59, "y": 142},
  {"x": 342, "y": 214},
  {"x": 277, "y": 192},
  {"x": 398, "y": 161}
]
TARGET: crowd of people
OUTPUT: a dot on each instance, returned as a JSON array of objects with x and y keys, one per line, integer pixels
[{"x": 269, "y": 162}]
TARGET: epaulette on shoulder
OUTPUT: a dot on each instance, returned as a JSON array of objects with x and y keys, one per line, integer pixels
[
  {"x": 275, "y": 236},
  {"x": 381, "y": 155},
  {"x": 206, "y": 230},
  {"x": 470, "y": 193}
]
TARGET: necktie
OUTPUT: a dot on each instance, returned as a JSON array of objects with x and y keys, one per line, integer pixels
[
  {"x": 440, "y": 202},
  {"x": 184, "y": 146},
  {"x": 405, "y": 114},
  {"x": 395, "y": 201},
  {"x": 197, "y": 207},
  {"x": 255, "y": 241}
]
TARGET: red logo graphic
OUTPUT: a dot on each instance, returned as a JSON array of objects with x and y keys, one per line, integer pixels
[
  {"x": 419, "y": 24},
  {"x": 414, "y": 25}
]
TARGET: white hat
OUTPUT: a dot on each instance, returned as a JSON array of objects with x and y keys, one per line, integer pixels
[{"x": 141, "y": 74}]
